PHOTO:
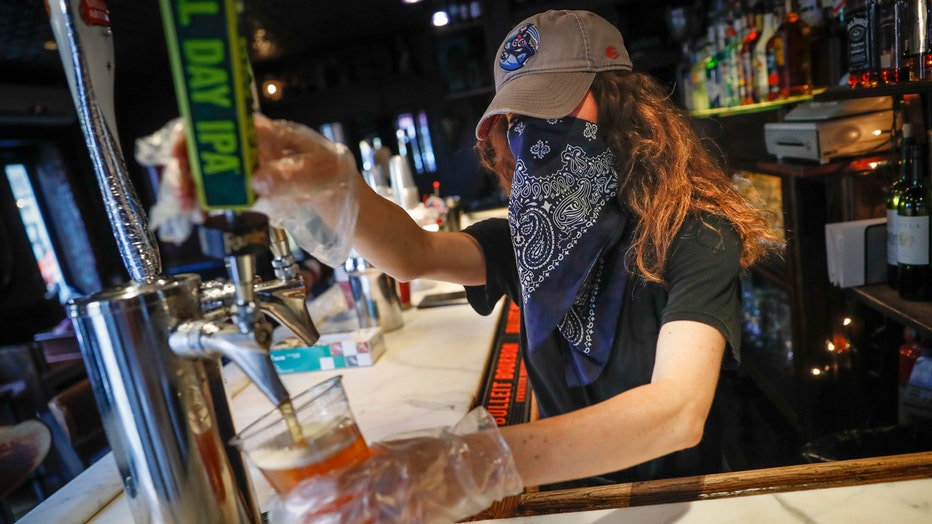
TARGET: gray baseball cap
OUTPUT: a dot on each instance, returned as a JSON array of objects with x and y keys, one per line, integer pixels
[{"x": 547, "y": 62}]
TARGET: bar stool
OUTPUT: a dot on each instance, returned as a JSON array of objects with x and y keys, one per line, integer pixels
[{"x": 23, "y": 447}]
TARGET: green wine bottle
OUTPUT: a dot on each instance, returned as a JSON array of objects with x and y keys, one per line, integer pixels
[
  {"x": 914, "y": 275},
  {"x": 893, "y": 198}
]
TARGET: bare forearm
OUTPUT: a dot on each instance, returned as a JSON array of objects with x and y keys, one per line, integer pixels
[
  {"x": 391, "y": 240},
  {"x": 637, "y": 426},
  {"x": 633, "y": 427},
  {"x": 385, "y": 233}
]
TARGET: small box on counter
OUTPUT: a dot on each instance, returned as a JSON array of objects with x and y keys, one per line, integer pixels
[{"x": 361, "y": 347}]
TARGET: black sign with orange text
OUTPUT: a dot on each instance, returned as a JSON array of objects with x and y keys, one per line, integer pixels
[{"x": 506, "y": 393}]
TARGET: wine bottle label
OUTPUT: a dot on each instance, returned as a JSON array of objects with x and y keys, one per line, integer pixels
[
  {"x": 892, "y": 240},
  {"x": 913, "y": 234}
]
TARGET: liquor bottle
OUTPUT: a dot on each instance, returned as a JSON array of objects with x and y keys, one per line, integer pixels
[
  {"x": 822, "y": 69},
  {"x": 788, "y": 52},
  {"x": 684, "y": 79},
  {"x": 914, "y": 276},
  {"x": 700, "y": 95},
  {"x": 892, "y": 42},
  {"x": 726, "y": 88},
  {"x": 734, "y": 31},
  {"x": 713, "y": 83},
  {"x": 874, "y": 35},
  {"x": 893, "y": 200},
  {"x": 861, "y": 45},
  {"x": 836, "y": 48},
  {"x": 761, "y": 84},
  {"x": 918, "y": 50},
  {"x": 910, "y": 351},
  {"x": 858, "y": 57},
  {"x": 746, "y": 89}
]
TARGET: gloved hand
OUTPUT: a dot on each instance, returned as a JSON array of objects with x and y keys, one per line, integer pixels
[
  {"x": 306, "y": 185},
  {"x": 176, "y": 209},
  {"x": 309, "y": 186},
  {"x": 439, "y": 476}
]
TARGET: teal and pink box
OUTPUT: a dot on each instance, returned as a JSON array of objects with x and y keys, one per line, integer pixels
[{"x": 358, "y": 348}]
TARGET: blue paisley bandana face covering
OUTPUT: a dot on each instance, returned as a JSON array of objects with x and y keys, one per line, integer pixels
[{"x": 564, "y": 219}]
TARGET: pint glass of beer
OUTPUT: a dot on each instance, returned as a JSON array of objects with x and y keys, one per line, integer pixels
[{"x": 317, "y": 435}]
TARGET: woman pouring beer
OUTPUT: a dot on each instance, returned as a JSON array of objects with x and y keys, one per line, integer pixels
[{"x": 623, "y": 247}]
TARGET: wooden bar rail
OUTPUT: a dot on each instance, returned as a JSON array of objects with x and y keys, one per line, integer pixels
[{"x": 720, "y": 485}]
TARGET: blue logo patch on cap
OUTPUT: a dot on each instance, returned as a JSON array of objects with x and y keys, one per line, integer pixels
[{"x": 519, "y": 47}]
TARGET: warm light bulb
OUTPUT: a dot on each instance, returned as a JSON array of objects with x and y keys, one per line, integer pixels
[
  {"x": 816, "y": 372},
  {"x": 272, "y": 89},
  {"x": 846, "y": 322}
]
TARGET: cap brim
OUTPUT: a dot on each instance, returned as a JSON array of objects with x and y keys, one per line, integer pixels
[{"x": 541, "y": 95}]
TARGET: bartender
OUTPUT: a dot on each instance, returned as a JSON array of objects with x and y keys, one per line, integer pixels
[{"x": 623, "y": 247}]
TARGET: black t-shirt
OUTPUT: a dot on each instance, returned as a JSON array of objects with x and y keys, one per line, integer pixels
[{"x": 701, "y": 284}]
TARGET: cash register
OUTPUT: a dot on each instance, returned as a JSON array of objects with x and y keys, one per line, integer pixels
[{"x": 824, "y": 130}]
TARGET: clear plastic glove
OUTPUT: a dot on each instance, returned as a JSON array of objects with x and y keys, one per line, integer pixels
[
  {"x": 308, "y": 185},
  {"x": 176, "y": 210},
  {"x": 439, "y": 476}
]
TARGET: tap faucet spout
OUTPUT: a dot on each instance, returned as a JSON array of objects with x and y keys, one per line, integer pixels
[
  {"x": 250, "y": 351},
  {"x": 284, "y": 301}
]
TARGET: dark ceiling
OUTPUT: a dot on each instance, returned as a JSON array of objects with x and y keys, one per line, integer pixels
[{"x": 295, "y": 26}]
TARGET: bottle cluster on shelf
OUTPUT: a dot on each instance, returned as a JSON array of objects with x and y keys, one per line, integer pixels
[
  {"x": 751, "y": 52},
  {"x": 888, "y": 42},
  {"x": 764, "y": 50}
]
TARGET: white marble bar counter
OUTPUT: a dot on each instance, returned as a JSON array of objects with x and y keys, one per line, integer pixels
[{"x": 429, "y": 376}]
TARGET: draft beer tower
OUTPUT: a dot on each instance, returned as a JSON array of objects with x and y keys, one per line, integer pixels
[{"x": 152, "y": 346}]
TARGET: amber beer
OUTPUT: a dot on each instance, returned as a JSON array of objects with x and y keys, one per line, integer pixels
[
  {"x": 311, "y": 434},
  {"x": 285, "y": 464}
]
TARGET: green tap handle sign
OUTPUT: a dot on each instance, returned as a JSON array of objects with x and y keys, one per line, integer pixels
[{"x": 213, "y": 83}]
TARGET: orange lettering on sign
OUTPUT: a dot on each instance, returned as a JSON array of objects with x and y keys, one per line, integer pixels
[{"x": 513, "y": 325}]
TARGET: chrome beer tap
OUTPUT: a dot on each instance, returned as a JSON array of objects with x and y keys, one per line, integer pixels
[
  {"x": 284, "y": 298},
  {"x": 238, "y": 237}
]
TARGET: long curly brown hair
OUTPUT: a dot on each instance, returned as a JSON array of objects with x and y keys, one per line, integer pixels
[{"x": 665, "y": 172}]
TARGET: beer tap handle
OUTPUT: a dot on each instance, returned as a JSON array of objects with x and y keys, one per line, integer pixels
[
  {"x": 285, "y": 300},
  {"x": 283, "y": 262},
  {"x": 242, "y": 271},
  {"x": 237, "y": 237}
]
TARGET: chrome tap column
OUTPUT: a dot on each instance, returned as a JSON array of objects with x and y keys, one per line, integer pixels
[{"x": 166, "y": 416}]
